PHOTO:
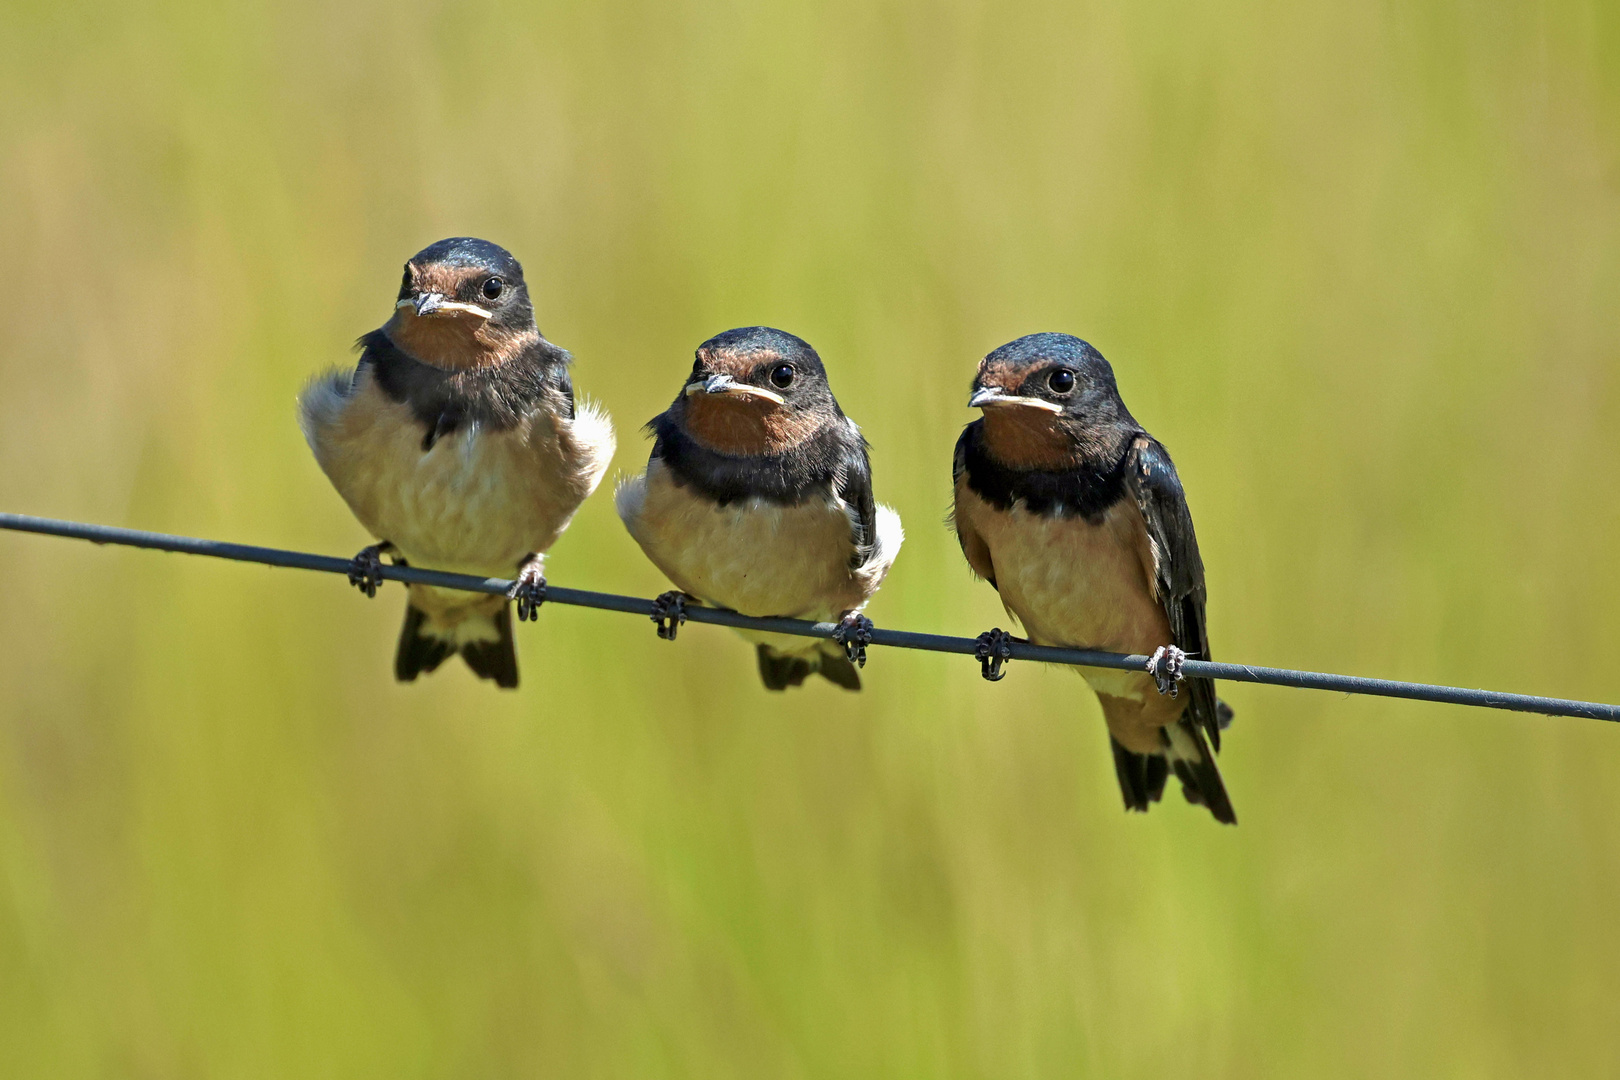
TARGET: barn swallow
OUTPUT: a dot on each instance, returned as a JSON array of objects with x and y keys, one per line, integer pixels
[
  {"x": 1076, "y": 516},
  {"x": 458, "y": 443},
  {"x": 758, "y": 498}
]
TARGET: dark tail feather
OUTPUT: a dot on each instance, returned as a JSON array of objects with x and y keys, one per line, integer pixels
[
  {"x": 1201, "y": 779},
  {"x": 779, "y": 672},
  {"x": 836, "y": 668},
  {"x": 495, "y": 659},
  {"x": 420, "y": 650},
  {"x": 417, "y": 651},
  {"x": 1141, "y": 776}
]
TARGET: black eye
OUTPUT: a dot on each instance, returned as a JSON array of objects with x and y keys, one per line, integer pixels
[
  {"x": 782, "y": 376},
  {"x": 493, "y": 287},
  {"x": 1061, "y": 381}
]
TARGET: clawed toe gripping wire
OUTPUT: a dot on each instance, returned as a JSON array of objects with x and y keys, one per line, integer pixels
[
  {"x": 366, "y": 569},
  {"x": 529, "y": 590},
  {"x": 1165, "y": 666},
  {"x": 669, "y": 612},
  {"x": 992, "y": 649},
  {"x": 854, "y": 633}
]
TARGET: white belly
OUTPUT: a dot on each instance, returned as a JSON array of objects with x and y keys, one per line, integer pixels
[
  {"x": 1070, "y": 582},
  {"x": 1084, "y": 586},
  {"x": 754, "y": 557},
  {"x": 477, "y": 502}
]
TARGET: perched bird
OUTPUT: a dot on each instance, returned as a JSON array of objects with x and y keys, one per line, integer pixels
[
  {"x": 1076, "y": 516},
  {"x": 758, "y": 498},
  {"x": 458, "y": 443}
]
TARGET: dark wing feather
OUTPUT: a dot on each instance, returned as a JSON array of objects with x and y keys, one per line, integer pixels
[
  {"x": 974, "y": 549},
  {"x": 852, "y": 479},
  {"x": 1151, "y": 479},
  {"x": 565, "y": 385}
]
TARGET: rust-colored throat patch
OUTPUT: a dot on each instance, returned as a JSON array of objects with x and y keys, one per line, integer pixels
[
  {"x": 743, "y": 425},
  {"x": 1025, "y": 438},
  {"x": 457, "y": 341}
]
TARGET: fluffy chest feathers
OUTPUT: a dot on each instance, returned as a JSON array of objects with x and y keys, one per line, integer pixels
[
  {"x": 478, "y": 499},
  {"x": 751, "y": 555}
]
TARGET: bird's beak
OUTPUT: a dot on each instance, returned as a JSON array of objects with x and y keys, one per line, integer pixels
[
  {"x": 725, "y": 384},
  {"x": 432, "y": 304},
  {"x": 994, "y": 397}
]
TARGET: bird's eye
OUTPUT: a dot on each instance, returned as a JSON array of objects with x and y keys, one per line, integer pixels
[
  {"x": 782, "y": 376},
  {"x": 493, "y": 287},
  {"x": 1061, "y": 381}
]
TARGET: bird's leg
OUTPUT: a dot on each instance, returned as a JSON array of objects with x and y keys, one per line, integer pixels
[
  {"x": 669, "y": 612},
  {"x": 529, "y": 589},
  {"x": 854, "y": 633},
  {"x": 365, "y": 569},
  {"x": 1165, "y": 667},
  {"x": 993, "y": 648}
]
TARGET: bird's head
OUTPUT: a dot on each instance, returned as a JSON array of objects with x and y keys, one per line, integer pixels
[
  {"x": 463, "y": 304},
  {"x": 753, "y": 391},
  {"x": 1050, "y": 402}
]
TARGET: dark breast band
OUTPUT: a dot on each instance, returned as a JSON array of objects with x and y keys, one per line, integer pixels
[
  {"x": 1087, "y": 489},
  {"x": 443, "y": 401}
]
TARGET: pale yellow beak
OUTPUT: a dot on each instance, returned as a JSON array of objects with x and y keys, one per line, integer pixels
[
  {"x": 430, "y": 305},
  {"x": 994, "y": 397},
  {"x": 725, "y": 384}
]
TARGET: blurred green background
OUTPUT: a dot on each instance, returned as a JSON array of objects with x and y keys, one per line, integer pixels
[{"x": 1357, "y": 265}]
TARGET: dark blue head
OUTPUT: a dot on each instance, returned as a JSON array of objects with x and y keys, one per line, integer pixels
[
  {"x": 1050, "y": 401},
  {"x": 760, "y": 355},
  {"x": 469, "y": 277},
  {"x": 1057, "y": 374},
  {"x": 463, "y": 304},
  {"x": 756, "y": 390}
]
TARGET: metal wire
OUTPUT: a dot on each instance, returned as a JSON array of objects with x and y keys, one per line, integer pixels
[{"x": 1017, "y": 650}]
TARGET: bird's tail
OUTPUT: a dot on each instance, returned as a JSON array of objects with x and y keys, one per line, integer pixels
[
  {"x": 483, "y": 638},
  {"x": 780, "y": 670},
  {"x": 1141, "y": 776},
  {"x": 1194, "y": 764},
  {"x": 1186, "y": 753}
]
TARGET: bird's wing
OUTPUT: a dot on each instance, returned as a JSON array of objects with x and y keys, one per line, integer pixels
[
  {"x": 565, "y": 386},
  {"x": 974, "y": 548},
  {"x": 853, "y": 483},
  {"x": 1178, "y": 571}
]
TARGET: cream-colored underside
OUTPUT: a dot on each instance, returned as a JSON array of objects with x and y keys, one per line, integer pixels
[
  {"x": 477, "y": 502},
  {"x": 757, "y": 557},
  {"x": 1083, "y": 586}
]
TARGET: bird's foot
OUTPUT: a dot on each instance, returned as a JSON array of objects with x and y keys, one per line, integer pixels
[
  {"x": 669, "y": 612},
  {"x": 365, "y": 569},
  {"x": 993, "y": 649},
  {"x": 529, "y": 590},
  {"x": 1165, "y": 667},
  {"x": 854, "y": 633}
]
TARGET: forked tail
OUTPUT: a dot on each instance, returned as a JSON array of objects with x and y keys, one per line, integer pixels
[
  {"x": 1186, "y": 753},
  {"x": 484, "y": 641},
  {"x": 778, "y": 671}
]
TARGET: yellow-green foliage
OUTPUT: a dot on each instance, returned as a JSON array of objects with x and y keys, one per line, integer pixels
[{"x": 1357, "y": 265}]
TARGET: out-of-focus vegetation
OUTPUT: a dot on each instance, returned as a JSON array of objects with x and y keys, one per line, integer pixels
[{"x": 1357, "y": 265}]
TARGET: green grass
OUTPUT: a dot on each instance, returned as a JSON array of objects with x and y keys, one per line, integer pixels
[{"x": 1356, "y": 266}]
